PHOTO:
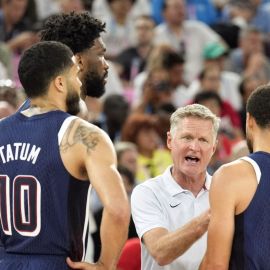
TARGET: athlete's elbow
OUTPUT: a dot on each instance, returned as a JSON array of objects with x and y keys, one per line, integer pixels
[{"x": 119, "y": 211}]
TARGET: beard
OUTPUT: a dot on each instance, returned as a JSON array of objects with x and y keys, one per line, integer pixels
[
  {"x": 72, "y": 102},
  {"x": 93, "y": 85}
]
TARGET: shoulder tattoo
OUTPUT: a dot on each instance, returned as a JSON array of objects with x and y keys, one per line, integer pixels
[{"x": 81, "y": 133}]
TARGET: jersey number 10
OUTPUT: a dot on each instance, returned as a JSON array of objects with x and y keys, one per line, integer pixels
[{"x": 20, "y": 205}]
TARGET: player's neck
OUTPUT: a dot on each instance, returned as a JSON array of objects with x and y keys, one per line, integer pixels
[
  {"x": 261, "y": 141},
  {"x": 47, "y": 103},
  {"x": 39, "y": 106}
]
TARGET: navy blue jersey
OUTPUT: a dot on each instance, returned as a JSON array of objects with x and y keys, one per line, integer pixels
[
  {"x": 251, "y": 243},
  {"x": 43, "y": 208}
]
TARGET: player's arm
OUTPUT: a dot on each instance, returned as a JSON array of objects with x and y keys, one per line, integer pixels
[
  {"x": 107, "y": 182},
  {"x": 95, "y": 151},
  {"x": 221, "y": 226}
]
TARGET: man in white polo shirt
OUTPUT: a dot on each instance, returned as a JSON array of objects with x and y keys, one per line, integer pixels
[{"x": 171, "y": 211}]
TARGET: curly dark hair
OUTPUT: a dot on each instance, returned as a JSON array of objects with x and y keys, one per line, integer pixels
[{"x": 76, "y": 30}]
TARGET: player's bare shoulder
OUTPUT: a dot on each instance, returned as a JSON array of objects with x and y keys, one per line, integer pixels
[
  {"x": 82, "y": 134},
  {"x": 234, "y": 178},
  {"x": 233, "y": 170}
]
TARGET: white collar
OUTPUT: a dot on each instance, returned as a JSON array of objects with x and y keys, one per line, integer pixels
[{"x": 174, "y": 188}]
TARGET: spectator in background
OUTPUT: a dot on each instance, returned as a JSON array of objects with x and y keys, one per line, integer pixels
[
  {"x": 157, "y": 91},
  {"x": 249, "y": 59},
  {"x": 215, "y": 54},
  {"x": 15, "y": 29},
  {"x": 174, "y": 63},
  {"x": 119, "y": 27},
  {"x": 257, "y": 14},
  {"x": 185, "y": 36},
  {"x": 133, "y": 60},
  {"x": 166, "y": 58},
  {"x": 154, "y": 61},
  {"x": 127, "y": 155},
  {"x": 163, "y": 115},
  {"x": 247, "y": 86},
  {"x": 227, "y": 82},
  {"x": 115, "y": 111},
  {"x": 239, "y": 12},
  {"x": 230, "y": 27},
  {"x": 101, "y": 9},
  {"x": 210, "y": 80},
  {"x": 141, "y": 130}
]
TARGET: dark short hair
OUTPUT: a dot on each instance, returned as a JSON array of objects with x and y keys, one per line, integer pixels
[
  {"x": 258, "y": 105},
  {"x": 40, "y": 64},
  {"x": 206, "y": 95},
  {"x": 76, "y": 30},
  {"x": 172, "y": 58}
]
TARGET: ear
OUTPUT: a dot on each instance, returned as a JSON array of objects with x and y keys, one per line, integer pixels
[
  {"x": 79, "y": 60},
  {"x": 169, "y": 140},
  {"x": 59, "y": 83},
  {"x": 249, "y": 121}
]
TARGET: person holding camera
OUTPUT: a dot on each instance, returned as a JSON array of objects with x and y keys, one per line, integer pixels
[{"x": 157, "y": 91}]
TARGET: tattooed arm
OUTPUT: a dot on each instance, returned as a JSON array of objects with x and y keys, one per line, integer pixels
[{"x": 93, "y": 157}]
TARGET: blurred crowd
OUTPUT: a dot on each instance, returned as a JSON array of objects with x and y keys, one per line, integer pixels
[{"x": 163, "y": 54}]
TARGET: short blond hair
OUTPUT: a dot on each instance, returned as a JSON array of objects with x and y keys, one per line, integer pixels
[{"x": 196, "y": 111}]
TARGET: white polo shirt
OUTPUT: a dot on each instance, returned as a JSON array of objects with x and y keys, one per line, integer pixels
[{"x": 161, "y": 202}]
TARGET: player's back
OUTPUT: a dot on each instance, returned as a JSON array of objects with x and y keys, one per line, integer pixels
[
  {"x": 43, "y": 207},
  {"x": 250, "y": 248}
]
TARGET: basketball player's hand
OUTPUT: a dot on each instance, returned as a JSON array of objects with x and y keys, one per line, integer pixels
[{"x": 85, "y": 265}]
